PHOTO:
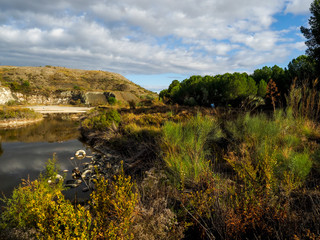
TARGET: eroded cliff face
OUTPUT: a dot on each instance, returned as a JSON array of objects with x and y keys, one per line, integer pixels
[
  {"x": 55, "y": 98},
  {"x": 5, "y": 95}
]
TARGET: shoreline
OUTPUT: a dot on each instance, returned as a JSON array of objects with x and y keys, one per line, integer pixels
[{"x": 16, "y": 123}]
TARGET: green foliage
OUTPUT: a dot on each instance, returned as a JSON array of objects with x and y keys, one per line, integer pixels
[
  {"x": 302, "y": 68},
  {"x": 113, "y": 207},
  {"x": 12, "y": 103},
  {"x": 277, "y": 139},
  {"x": 23, "y": 86},
  {"x": 18, "y": 113},
  {"x": 219, "y": 89},
  {"x": 300, "y": 164},
  {"x": 101, "y": 120},
  {"x": 312, "y": 34},
  {"x": 185, "y": 149},
  {"x": 112, "y": 100},
  {"x": 41, "y": 205},
  {"x": 264, "y": 74},
  {"x": 277, "y": 74},
  {"x": 262, "y": 88}
]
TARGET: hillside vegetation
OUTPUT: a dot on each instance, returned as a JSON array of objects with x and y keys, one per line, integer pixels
[{"x": 49, "y": 79}]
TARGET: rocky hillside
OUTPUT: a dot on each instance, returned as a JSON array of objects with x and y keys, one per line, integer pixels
[{"x": 59, "y": 85}]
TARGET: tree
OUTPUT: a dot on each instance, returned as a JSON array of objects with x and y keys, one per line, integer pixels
[
  {"x": 302, "y": 68},
  {"x": 264, "y": 73},
  {"x": 272, "y": 93},
  {"x": 312, "y": 34},
  {"x": 262, "y": 88}
]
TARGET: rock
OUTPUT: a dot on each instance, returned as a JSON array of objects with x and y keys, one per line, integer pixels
[
  {"x": 6, "y": 95},
  {"x": 73, "y": 183}
]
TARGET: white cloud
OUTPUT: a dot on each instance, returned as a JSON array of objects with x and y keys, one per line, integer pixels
[
  {"x": 298, "y": 6},
  {"x": 146, "y": 37}
]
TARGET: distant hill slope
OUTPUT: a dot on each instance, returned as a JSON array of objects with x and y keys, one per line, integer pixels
[{"x": 50, "y": 80}]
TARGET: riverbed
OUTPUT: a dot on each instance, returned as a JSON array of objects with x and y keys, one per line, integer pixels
[{"x": 25, "y": 151}]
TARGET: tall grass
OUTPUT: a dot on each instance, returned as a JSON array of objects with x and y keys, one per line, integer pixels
[
  {"x": 185, "y": 149},
  {"x": 304, "y": 100}
]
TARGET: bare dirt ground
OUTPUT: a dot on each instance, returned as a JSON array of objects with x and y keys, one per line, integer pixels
[{"x": 59, "y": 109}]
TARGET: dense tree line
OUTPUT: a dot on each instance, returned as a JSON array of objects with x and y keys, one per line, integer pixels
[{"x": 232, "y": 88}]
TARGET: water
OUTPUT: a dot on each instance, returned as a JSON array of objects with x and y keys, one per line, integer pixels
[{"x": 25, "y": 151}]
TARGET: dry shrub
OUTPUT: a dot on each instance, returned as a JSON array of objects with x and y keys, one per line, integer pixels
[
  {"x": 156, "y": 220},
  {"x": 205, "y": 209}
]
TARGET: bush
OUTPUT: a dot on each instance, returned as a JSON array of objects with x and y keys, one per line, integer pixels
[
  {"x": 261, "y": 137},
  {"x": 300, "y": 164},
  {"x": 102, "y": 120},
  {"x": 112, "y": 100},
  {"x": 18, "y": 113},
  {"x": 184, "y": 147},
  {"x": 41, "y": 205},
  {"x": 113, "y": 207},
  {"x": 132, "y": 104}
]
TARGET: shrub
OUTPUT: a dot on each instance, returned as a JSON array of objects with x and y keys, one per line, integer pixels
[
  {"x": 257, "y": 137},
  {"x": 184, "y": 147},
  {"x": 156, "y": 220},
  {"x": 18, "y": 113},
  {"x": 12, "y": 103},
  {"x": 41, "y": 205},
  {"x": 102, "y": 120},
  {"x": 132, "y": 104},
  {"x": 300, "y": 164},
  {"x": 112, "y": 100},
  {"x": 113, "y": 207}
]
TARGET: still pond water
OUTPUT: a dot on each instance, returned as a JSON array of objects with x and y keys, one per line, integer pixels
[{"x": 25, "y": 151}]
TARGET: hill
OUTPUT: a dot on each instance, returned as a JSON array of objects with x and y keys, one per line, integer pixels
[{"x": 32, "y": 83}]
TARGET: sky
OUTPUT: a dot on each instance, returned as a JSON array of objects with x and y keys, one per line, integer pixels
[{"x": 153, "y": 42}]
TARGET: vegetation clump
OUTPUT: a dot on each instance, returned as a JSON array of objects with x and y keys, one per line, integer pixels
[
  {"x": 101, "y": 120},
  {"x": 14, "y": 113}
]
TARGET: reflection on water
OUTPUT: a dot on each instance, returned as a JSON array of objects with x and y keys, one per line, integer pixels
[
  {"x": 48, "y": 130},
  {"x": 26, "y": 150},
  {"x": 1, "y": 151}
]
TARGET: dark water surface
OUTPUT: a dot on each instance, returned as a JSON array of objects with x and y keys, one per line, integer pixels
[{"x": 25, "y": 151}]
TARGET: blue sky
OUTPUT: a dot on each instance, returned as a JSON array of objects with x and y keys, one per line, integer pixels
[{"x": 153, "y": 42}]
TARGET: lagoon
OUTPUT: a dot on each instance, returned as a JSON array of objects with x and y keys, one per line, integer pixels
[{"x": 25, "y": 151}]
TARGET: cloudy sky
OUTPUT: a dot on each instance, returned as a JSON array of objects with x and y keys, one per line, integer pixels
[{"x": 153, "y": 42}]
